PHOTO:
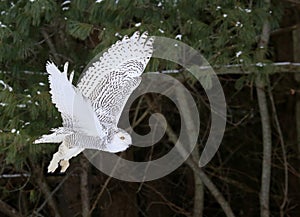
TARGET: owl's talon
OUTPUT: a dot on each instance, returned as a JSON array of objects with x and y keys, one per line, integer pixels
[
  {"x": 52, "y": 167},
  {"x": 64, "y": 165}
]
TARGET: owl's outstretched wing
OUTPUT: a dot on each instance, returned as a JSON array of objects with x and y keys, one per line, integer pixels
[
  {"x": 110, "y": 81},
  {"x": 76, "y": 110}
]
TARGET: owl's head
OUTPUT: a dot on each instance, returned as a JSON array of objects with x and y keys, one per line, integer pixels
[{"x": 120, "y": 141}]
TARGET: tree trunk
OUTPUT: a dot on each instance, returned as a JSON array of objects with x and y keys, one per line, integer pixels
[
  {"x": 267, "y": 150},
  {"x": 265, "y": 121},
  {"x": 296, "y": 40},
  {"x": 198, "y": 189},
  {"x": 43, "y": 186},
  {"x": 84, "y": 187}
]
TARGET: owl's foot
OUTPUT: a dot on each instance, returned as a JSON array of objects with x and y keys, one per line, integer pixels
[
  {"x": 64, "y": 165},
  {"x": 54, "y": 162},
  {"x": 53, "y": 165}
]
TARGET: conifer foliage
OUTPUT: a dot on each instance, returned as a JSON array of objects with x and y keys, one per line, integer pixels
[{"x": 34, "y": 31}]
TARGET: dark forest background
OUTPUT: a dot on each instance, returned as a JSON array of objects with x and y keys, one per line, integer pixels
[{"x": 254, "y": 47}]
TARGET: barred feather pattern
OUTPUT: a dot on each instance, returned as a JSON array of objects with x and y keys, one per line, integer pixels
[
  {"x": 80, "y": 140},
  {"x": 91, "y": 110},
  {"x": 115, "y": 93},
  {"x": 109, "y": 82}
]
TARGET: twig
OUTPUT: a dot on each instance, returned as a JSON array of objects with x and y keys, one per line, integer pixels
[
  {"x": 104, "y": 186},
  {"x": 171, "y": 205},
  {"x": 205, "y": 179},
  {"x": 50, "y": 45},
  {"x": 50, "y": 195},
  {"x": 192, "y": 162}
]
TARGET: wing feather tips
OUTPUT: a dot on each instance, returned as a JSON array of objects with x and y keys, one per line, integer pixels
[
  {"x": 61, "y": 89},
  {"x": 137, "y": 47}
]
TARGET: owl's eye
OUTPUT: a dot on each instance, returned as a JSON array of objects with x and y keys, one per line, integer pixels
[{"x": 122, "y": 137}]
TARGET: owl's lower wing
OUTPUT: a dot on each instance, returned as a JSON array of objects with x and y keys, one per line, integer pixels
[
  {"x": 76, "y": 110},
  {"x": 110, "y": 81}
]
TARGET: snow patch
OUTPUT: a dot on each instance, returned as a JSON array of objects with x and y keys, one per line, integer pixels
[
  {"x": 259, "y": 64},
  {"x": 65, "y": 2},
  {"x": 238, "y": 24},
  {"x": 118, "y": 35},
  {"x": 237, "y": 54},
  {"x": 179, "y": 37},
  {"x": 161, "y": 31},
  {"x": 21, "y": 105},
  {"x": 2, "y": 25},
  {"x": 6, "y": 86}
]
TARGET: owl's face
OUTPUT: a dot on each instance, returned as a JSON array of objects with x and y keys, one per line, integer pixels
[{"x": 120, "y": 142}]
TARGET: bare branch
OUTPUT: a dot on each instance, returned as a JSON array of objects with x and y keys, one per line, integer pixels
[
  {"x": 205, "y": 179},
  {"x": 104, "y": 186},
  {"x": 171, "y": 205},
  {"x": 285, "y": 162},
  {"x": 8, "y": 210},
  {"x": 50, "y": 45}
]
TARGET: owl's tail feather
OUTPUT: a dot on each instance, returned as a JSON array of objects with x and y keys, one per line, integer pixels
[
  {"x": 51, "y": 138},
  {"x": 56, "y": 137}
]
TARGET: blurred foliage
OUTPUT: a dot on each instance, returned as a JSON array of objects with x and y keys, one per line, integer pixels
[
  {"x": 31, "y": 32},
  {"x": 34, "y": 31}
]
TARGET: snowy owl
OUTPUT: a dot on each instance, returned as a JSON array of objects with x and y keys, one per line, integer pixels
[{"x": 91, "y": 111}]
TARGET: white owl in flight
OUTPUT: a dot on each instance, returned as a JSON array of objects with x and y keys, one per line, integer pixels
[{"x": 91, "y": 111}]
